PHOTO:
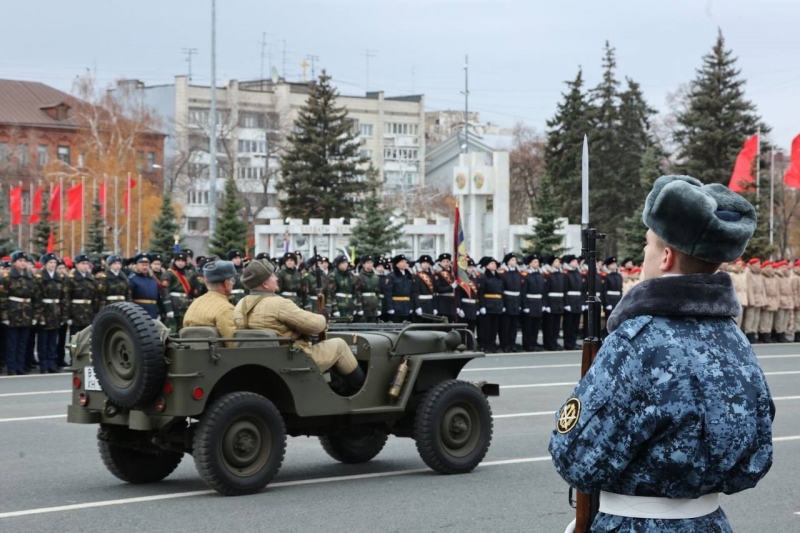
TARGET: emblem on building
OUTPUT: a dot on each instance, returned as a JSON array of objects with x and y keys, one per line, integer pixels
[
  {"x": 461, "y": 180},
  {"x": 478, "y": 179}
]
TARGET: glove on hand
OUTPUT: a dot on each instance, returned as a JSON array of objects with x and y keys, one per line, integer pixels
[
  {"x": 361, "y": 313},
  {"x": 584, "y": 307},
  {"x": 608, "y": 307},
  {"x": 435, "y": 312},
  {"x": 337, "y": 314},
  {"x": 390, "y": 311},
  {"x": 454, "y": 284},
  {"x": 567, "y": 308},
  {"x": 526, "y": 310},
  {"x": 171, "y": 314},
  {"x": 33, "y": 322},
  {"x": 7, "y": 322},
  {"x": 69, "y": 322},
  {"x": 418, "y": 311},
  {"x": 379, "y": 313},
  {"x": 460, "y": 313},
  {"x": 504, "y": 309},
  {"x": 545, "y": 309},
  {"x": 483, "y": 310}
]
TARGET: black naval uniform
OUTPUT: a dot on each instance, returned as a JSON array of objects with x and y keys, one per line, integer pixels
[
  {"x": 399, "y": 289},
  {"x": 574, "y": 301},
  {"x": 611, "y": 291},
  {"x": 469, "y": 307},
  {"x": 532, "y": 297},
  {"x": 445, "y": 298},
  {"x": 423, "y": 293},
  {"x": 512, "y": 286},
  {"x": 553, "y": 299},
  {"x": 491, "y": 298}
]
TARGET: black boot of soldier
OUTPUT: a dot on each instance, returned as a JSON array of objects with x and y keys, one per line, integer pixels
[
  {"x": 752, "y": 338},
  {"x": 764, "y": 338},
  {"x": 355, "y": 380},
  {"x": 797, "y": 337}
]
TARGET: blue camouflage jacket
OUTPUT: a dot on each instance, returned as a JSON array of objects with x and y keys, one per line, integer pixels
[{"x": 675, "y": 405}]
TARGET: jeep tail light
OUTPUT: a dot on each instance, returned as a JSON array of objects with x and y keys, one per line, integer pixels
[
  {"x": 168, "y": 388},
  {"x": 161, "y": 404},
  {"x": 83, "y": 399},
  {"x": 198, "y": 393},
  {"x": 76, "y": 382}
]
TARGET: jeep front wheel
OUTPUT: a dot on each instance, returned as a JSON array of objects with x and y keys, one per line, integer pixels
[
  {"x": 453, "y": 427},
  {"x": 239, "y": 443},
  {"x": 352, "y": 448},
  {"x": 129, "y": 456}
]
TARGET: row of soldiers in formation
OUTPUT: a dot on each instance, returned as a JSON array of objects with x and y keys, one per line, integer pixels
[
  {"x": 494, "y": 298},
  {"x": 44, "y": 302},
  {"x": 770, "y": 296}
]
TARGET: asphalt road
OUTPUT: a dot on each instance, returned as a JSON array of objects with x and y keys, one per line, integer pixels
[{"x": 52, "y": 479}]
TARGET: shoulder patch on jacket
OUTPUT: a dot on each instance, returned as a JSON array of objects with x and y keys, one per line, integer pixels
[{"x": 631, "y": 327}]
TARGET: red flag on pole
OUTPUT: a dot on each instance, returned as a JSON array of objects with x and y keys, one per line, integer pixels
[
  {"x": 36, "y": 207},
  {"x": 792, "y": 176},
  {"x": 744, "y": 163},
  {"x": 127, "y": 204},
  {"x": 55, "y": 203},
  {"x": 16, "y": 205},
  {"x": 75, "y": 202},
  {"x": 51, "y": 244},
  {"x": 460, "y": 255},
  {"x": 101, "y": 197}
]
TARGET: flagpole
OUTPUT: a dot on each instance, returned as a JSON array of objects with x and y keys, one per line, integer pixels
[
  {"x": 771, "y": 194},
  {"x": 83, "y": 213},
  {"x": 758, "y": 162},
  {"x": 30, "y": 226},
  {"x": 139, "y": 223},
  {"x": 72, "y": 248},
  {"x": 128, "y": 216},
  {"x": 61, "y": 213},
  {"x": 116, "y": 233},
  {"x": 20, "y": 208}
]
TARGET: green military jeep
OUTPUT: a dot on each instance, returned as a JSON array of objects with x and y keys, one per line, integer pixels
[{"x": 157, "y": 397}]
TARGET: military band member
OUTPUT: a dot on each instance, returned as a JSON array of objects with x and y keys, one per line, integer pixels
[
  {"x": 345, "y": 299},
  {"x": 532, "y": 298},
  {"x": 512, "y": 286},
  {"x": 675, "y": 408},
  {"x": 116, "y": 287},
  {"x": 52, "y": 288},
  {"x": 424, "y": 288},
  {"x": 555, "y": 288},
  {"x": 239, "y": 292},
  {"x": 145, "y": 287},
  {"x": 84, "y": 295},
  {"x": 20, "y": 301},
  {"x": 291, "y": 282},
  {"x": 491, "y": 302},
  {"x": 398, "y": 290},
  {"x": 369, "y": 285}
]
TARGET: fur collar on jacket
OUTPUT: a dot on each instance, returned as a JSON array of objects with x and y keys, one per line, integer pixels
[{"x": 707, "y": 295}]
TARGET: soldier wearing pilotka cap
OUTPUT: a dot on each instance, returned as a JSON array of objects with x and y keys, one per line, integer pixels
[{"x": 675, "y": 408}]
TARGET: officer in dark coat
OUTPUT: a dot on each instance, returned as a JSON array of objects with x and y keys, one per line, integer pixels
[
  {"x": 116, "y": 287},
  {"x": 611, "y": 288},
  {"x": 424, "y": 288},
  {"x": 532, "y": 297},
  {"x": 398, "y": 291},
  {"x": 444, "y": 285},
  {"x": 512, "y": 286},
  {"x": 145, "y": 288},
  {"x": 491, "y": 300},
  {"x": 84, "y": 294},
  {"x": 52, "y": 288},
  {"x": 553, "y": 300},
  {"x": 61, "y": 348},
  {"x": 238, "y": 292},
  {"x": 574, "y": 302},
  {"x": 20, "y": 302}
]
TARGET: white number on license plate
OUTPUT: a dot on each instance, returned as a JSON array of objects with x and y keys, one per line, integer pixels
[{"x": 90, "y": 381}]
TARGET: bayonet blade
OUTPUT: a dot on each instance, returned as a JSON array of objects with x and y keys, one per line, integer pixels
[{"x": 585, "y": 183}]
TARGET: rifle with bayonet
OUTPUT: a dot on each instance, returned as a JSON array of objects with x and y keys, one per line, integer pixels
[
  {"x": 320, "y": 294},
  {"x": 587, "y": 505}
]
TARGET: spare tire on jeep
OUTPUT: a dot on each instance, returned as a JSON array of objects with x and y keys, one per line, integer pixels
[{"x": 127, "y": 354}]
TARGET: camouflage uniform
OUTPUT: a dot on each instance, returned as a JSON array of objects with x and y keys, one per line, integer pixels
[
  {"x": 116, "y": 287},
  {"x": 84, "y": 300},
  {"x": 293, "y": 286},
  {"x": 310, "y": 278},
  {"x": 238, "y": 291},
  {"x": 369, "y": 289},
  {"x": 178, "y": 288},
  {"x": 674, "y": 406},
  {"x": 19, "y": 306},
  {"x": 345, "y": 298},
  {"x": 52, "y": 314}
]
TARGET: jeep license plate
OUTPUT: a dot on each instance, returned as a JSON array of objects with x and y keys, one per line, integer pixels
[{"x": 90, "y": 381}]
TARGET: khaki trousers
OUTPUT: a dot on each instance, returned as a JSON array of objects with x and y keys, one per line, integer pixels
[
  {"x": 333, "y": 352},
  {"x": 751, "y": 317},
  {"x": 781, "y": 320},
  {"x": 766, "y": 321},
  {"x": 797, "y": 320}
]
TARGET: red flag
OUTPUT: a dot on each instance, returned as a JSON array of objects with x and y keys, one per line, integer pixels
[
  {"x": 15, "y": 196},
  {"x": 127, "y": 204},
  {"x": 460, "y": 255},
  {"x": 102, "y": 198},
  {"x": 744, "y": 164},
  {"x": 51, "y": 243},
  {"x": 36, "y": 207},
  {"x": 792, "y": 176},
  {"x": 75, "y": 202},
  {"x": 55, "y": 203}
]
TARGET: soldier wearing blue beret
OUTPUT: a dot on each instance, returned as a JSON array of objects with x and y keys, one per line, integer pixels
[{"x": 675, "y": 409}]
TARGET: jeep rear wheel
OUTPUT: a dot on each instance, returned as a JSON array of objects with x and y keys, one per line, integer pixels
[
  {"x": 129, "y": 456},
  {"x": 240, "y": 443},
  {"x": 352, "y": 448},
  {"x": 453, "y": 427},
  {"x": 127, "y": 354}
]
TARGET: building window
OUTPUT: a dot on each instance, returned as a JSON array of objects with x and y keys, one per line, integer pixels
[
  {"x": 365, "y": 153},
  {"x": 192, "y": 225},
  {"x": 399, "y": 128},
  {"x": 41, "y": 155},
  {"x": 22, "y": 155},
  {"x": 250, "y": 119},
  {"x": 139, "y": 160},
  {"x": 198, "y": 116},
  {"x": 366, "y": 130},
  {"x": 4, "y": 155},
  {"x": 151, "y": 160},
  {"x": 63, "y": 154}
]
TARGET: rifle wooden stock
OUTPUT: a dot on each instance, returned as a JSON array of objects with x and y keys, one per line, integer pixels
[
  {"x": 320, "y": 308},
  {"x": 586, "y": 505}
]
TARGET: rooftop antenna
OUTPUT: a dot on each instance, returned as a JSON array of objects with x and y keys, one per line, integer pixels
[
  {"x": 413, "y": 79},
  {"x": 189, "y": 53},
  {"x": 263, "y": 47},
  {"x": 284, "y": 59},
  {"x": 465, "y": 92},
  {"x": 369, "y": 54},
  {"x": 313, "y": 60}
]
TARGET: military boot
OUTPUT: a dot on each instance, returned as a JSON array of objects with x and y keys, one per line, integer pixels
[
  {"x": 355, "y": 380},
  {"x": 797, "y": 337},
  {"x": 764, "y": 338},
  {"x": 752, "y": 338}
]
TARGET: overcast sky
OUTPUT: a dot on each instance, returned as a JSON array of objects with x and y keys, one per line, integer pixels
[{"x": 520, "y": 51}]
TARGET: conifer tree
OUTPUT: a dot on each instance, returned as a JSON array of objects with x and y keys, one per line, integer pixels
[
  {"x": 375, "y": 234},
  {"x": 631, "y": 232},
  {"x": 43, "y": 228},
  {"x": 231, "y": 232},
  {"x": 758, "y": 245},
  {"x": 545, "y": 238},
  {"x": 96, "y": 244},
  {"x": 717, "y": 119},
  {"x": 564, "y": 144},
  {"x": 164, "y": 229},
  {"x": 321, "y": 171}
]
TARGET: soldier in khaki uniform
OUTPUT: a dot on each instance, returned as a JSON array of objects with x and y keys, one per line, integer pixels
[
  {"x": 736, "y": 271},
  {"x": 214, "y": 307},
  {"x": 756, "y": 300},
  {"x": 785, "y": 301},
  {"x": 773, "y": 300},
  {"x": 796, "y": 298},
  {"x": 19, "y": 306},
  {"x": 263, "y": 309}
]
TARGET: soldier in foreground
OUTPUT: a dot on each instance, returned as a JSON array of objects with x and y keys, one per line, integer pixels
[
  {"x": 675, "y": 408},
  {"x": 214, "y": 307}
]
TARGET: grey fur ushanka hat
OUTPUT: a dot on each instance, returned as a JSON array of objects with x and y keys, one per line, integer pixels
[{"x": 709, "y": 222}]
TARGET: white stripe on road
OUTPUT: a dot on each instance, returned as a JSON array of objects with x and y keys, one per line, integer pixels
[
  {"x": 786, "y": 373},
  {"x": 176, "y": 495},
  {"x": 26, "y": 418},
  {"x": 62, "y": 374},
  {"x": 532, "y": 385},
  {"x": 519, "y": 367},
  {"x": 517, "y": 415},
  {"x": 781, "y": 439},
  {"x": 785, "y": 356},
  {"x": 11, "y": 394}
]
